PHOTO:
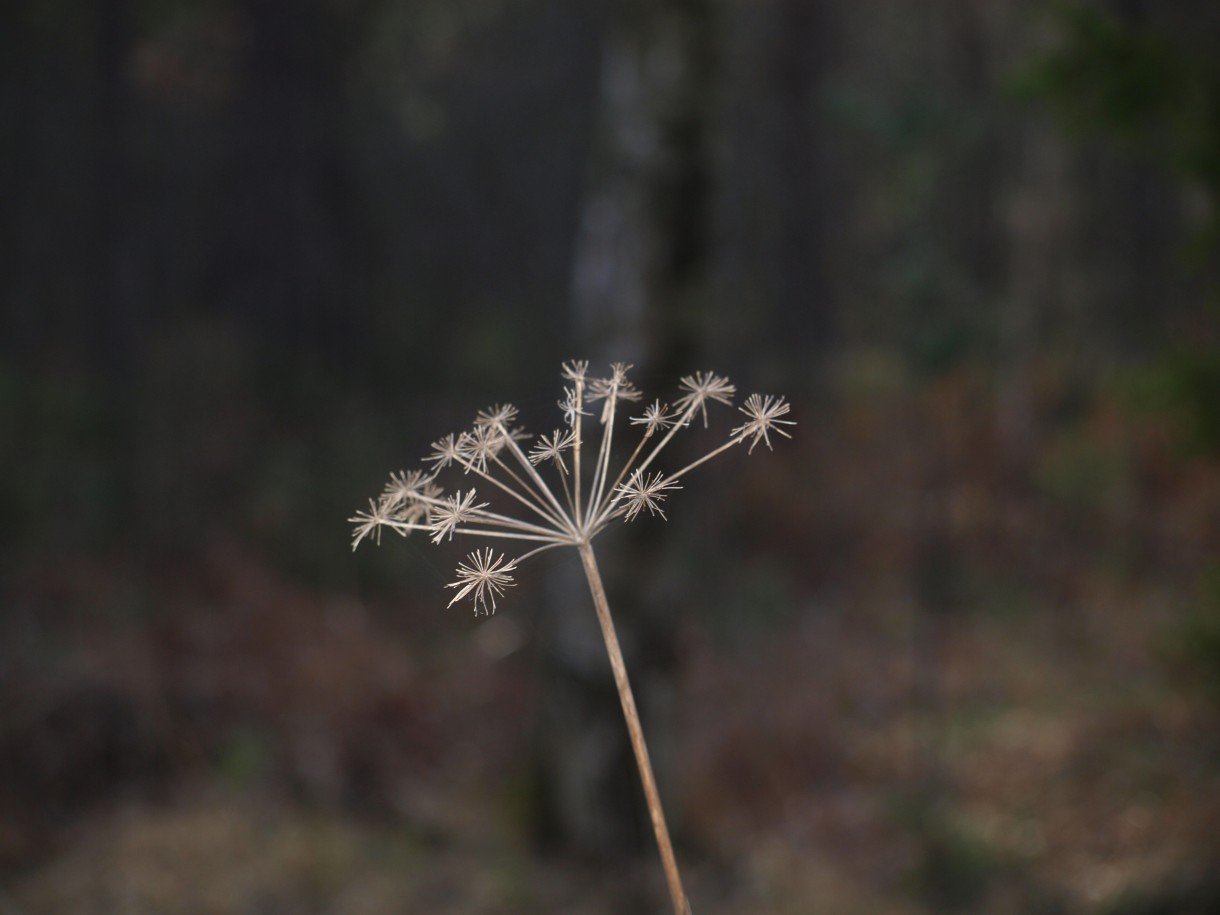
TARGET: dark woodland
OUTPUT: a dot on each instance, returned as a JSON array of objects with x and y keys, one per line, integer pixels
[{"x": 955, "y": 647}]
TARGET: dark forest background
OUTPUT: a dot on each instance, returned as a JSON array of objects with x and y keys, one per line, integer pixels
[{"x": 956, "y": 647}]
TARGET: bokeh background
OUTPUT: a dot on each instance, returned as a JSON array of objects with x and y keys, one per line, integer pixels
[{"x": 956, "y": 647}]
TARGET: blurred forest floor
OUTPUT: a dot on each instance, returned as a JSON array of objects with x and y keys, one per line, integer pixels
[{"x": 919, "y": 685}]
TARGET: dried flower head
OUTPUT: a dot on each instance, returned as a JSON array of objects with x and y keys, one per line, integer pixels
[
  {"x": 763, "y": 412},
  {"x": 656, "y": 416},
  {"x": 570, "y": 405},
  {"x": 445, "y": 451},
  {"x": 644, "y": 491},
  {"x": 702, "y": 387},
  {"x": 405, "y": 487},
  {"x": 369, "y": 523},
  {"x": 446, "y": 514},
  {"x": 484, "y": 578},
  {"x": 594, "y": 489},
  {"x": 499, "y": 415},
  {"x": 482, "y": 444},
  {"x": 576, "y": 370},
  {"x": 551, "y": 448}
]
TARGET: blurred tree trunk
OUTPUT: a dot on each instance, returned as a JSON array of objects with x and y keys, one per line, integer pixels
[{"x": 641, "y": 259}]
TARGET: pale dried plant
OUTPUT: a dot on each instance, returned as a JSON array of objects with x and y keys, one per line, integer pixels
[{"x": 581, "y": 500}]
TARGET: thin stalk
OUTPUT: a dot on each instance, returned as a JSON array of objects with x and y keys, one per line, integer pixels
[
  {"x": 579, "y": 392},
  {"x": 530, "y": 491},
  {"x": 534, "y": 552},
  {"x": 617, "y": 495},
  {"x": 603, "y": 459},
  {"x": 613, "y": 496},
  {"x": 511, "y": 535},
  {"x": 514, "y": 530},
  {"x": 536, "y": 507},
  {"x": 622, "y": 474},
  {"x": 707, "y": 457},
  {"x": 627, "y": 698},
  {"x": 592, "y": 506},
  {"x": 681, "y": 423},
  {"x": 562, "y": 473},
  {"x": 484, "y": 515},
  {"x": 538, "y": 481}
]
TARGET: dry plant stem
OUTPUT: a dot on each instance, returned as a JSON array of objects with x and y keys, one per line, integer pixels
[
  {"x": 627, "y": 698},
  {"x": 416, "y": 502}
]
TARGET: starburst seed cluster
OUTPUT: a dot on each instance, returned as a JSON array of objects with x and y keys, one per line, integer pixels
[{"x": 559, "y": 493}]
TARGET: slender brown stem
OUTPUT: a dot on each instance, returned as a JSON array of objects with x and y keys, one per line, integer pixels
[{"x": 668, "y": 861}]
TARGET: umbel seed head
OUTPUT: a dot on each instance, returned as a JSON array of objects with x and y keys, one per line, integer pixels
[{"x": 557, "y": 493}]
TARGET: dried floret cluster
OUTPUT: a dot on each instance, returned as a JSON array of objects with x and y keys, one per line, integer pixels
[{"x": 574, "y": 501}]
